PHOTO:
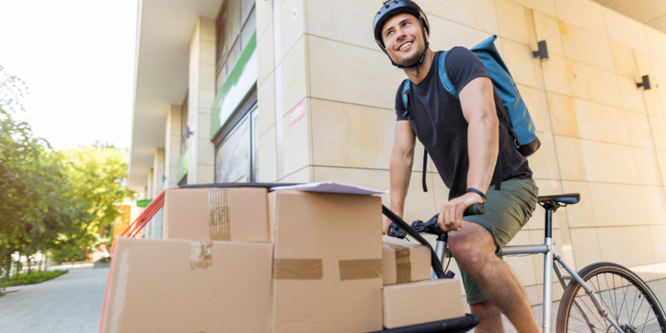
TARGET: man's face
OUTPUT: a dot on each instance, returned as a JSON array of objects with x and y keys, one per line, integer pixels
[{"x": 403, "y": 39}]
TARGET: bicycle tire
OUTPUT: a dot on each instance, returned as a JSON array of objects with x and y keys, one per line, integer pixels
[{"x": 615, "y": 286}]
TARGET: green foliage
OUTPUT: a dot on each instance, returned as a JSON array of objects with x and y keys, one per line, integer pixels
[
  {"x": 65, "y": 202},
  {"x": 33, "y": 278}
]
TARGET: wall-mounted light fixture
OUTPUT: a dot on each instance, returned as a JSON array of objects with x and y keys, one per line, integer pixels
[
  {"x": 188, "y": 132},
  {"x": 645, "y": 84},
  {"x": 543, "y": 51}
]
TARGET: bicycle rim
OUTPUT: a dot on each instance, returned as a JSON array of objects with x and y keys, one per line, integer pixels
[{"x": 625, "y": 296}]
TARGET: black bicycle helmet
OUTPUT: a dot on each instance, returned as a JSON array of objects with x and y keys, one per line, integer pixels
[{"x": 391, "y": 8}]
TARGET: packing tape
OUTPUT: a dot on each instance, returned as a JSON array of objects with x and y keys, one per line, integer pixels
[
  {"x": 360, "y": 269},
  {"x": 201, "y": 255},
  {"x": 298, "y": 269},
  {"x": 403, "y": 264},
  {"x": 218, "y": 214},
  {"x": 403, "y": 267}
]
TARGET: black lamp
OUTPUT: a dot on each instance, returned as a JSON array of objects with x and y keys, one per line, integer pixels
[
  {"x": 645, "y": 84},
  {"x": 543, "y": 51}
]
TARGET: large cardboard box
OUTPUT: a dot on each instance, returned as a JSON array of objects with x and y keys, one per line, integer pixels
[
  {"x": 188, "y": 286},
  {"x": 328, "y": 262},
  {"x": 422, "y": 302},
  {"x": 219, "y": 214},
  {"x": 405, "y": 261}
]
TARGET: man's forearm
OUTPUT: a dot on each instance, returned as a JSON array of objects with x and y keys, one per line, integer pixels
[
  {"x": 483, "y": 147},
  {"x": 401, "y": 171}
]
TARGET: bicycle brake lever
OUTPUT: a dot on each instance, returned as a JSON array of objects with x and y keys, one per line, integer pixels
[{"x": 397, "y": 232}]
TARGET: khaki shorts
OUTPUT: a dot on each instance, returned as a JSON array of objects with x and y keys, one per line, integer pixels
[{"x": 507, "y": 211}]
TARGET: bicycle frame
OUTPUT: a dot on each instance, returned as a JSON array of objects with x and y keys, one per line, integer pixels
[{"x": 550, "y": 257}]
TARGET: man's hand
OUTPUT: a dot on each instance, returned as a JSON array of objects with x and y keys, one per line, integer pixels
[
  {"x": 451, "y": 214},
  {"x": 386, "y": 224}
]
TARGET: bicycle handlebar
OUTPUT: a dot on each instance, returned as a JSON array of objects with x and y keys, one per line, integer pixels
[{"x": 431, "y": 225}]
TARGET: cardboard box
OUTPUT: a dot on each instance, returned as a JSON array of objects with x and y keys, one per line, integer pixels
[
  {"x": 328, "y": 262},
  {"x": 218, "y": 214},
  {"x": 405, "y": 261},
  {"x": 422, "y": 302},
  {"x": 188, "y": 286}
]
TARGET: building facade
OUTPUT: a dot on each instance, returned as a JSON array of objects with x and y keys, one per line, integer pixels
[{"x": 298, "y": 91}]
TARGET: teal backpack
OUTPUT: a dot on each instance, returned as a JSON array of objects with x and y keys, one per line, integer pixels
[{"x": 516, "y": 118}]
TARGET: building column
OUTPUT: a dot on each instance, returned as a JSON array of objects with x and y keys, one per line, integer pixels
[
  {"x": 201, "y": 155},
  {"x": 172, "y": 146}
]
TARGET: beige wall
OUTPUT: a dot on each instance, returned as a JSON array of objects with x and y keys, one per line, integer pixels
[{"x": 601, "y": 136}]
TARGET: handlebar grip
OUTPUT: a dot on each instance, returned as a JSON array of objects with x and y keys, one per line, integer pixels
[{"x": 475, "y": 209}]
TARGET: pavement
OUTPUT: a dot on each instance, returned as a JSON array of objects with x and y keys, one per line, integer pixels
[{"x": 72, "y": 303}]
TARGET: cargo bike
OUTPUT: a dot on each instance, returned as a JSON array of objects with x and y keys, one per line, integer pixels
[{"x": 601, "y": 297}]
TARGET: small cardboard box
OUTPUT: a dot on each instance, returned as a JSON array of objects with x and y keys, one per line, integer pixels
[
  {"x": 422, "y": 302},
  {"x": 237, "y": 214},
  {"x": 328, "y": 262},
  {"x": 405, "y": 261},
  {"x": 188, "y": 286}
]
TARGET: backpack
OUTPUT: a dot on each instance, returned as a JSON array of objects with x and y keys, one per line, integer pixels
[{"x": 515, "y": 116}]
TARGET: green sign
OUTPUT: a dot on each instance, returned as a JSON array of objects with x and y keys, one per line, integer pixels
[
  {"x": 143, "y": 203},
  {"x": 235, "y": 88}
]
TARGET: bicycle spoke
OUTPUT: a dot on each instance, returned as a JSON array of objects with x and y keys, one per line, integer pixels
[
  {"x": 624, "y": 298},
  {"x": 639, "y": 307},
  {"x": 594, "y": 313}
]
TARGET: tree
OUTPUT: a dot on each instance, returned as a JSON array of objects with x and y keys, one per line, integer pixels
[
  {"x": 97, "y": 176},
  {"x": 65, "y": 202},
  {"x": 34, "y": 204}
]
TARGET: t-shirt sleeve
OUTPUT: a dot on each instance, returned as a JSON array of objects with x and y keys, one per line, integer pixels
[
  {"x": 463, "y": 66},
  {"x": 399, "y": 105}
]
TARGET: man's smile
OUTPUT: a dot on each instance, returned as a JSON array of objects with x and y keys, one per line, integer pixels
[{"x": 406, "y": 46}]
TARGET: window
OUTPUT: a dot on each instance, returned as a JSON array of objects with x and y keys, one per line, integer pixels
[
  {"x": 236, "y": 146},
  {"x": 235, "y": 25}
]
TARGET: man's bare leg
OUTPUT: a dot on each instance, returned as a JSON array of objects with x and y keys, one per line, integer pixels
[
  {"x": 492, "y": 317},
  {"x": 474, "y": 250}
]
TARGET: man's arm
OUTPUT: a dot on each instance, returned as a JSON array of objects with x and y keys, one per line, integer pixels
[
  {"x": 478, "y": 107},
  {"x": 402, "y": 159}
]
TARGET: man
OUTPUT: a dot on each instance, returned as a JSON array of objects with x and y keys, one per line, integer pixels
[{"x": 465, "y": 140}]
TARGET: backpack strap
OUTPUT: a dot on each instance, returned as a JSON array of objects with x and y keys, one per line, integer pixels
[
  {"x": 405, "y": 97},
  {"x": 448, "y": 85},
  {"x": 451, "y": 89},
  {"x": 406, "y": 85}
]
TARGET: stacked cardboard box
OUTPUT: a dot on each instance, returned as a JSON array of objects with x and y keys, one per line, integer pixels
[
  {"x": 328, "y": 262},
  {"x": 218, "y": 214},
  {"x": 421, "y": 302},
  {"x": 315, "y": 265},
  {"x": 189, "y": 286},
  {"x": 405, "y": 261}
]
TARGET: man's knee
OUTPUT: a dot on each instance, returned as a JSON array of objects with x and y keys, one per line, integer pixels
[{"x": 471, "y": 244}]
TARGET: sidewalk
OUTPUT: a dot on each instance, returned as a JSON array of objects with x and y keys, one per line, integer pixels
[{"x": 71, "y": 303}]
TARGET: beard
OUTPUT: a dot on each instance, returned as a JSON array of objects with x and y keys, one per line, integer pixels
[{"x": 409, "y": 60}]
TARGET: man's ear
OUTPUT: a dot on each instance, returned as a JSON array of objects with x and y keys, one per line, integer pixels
[{"x": 425, "y": 31}]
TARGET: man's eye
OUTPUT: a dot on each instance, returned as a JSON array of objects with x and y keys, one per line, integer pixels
[{"x": 388, "y": 34}]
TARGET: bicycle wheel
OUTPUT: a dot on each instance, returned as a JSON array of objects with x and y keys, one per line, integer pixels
[{"x": 624, "y": 295}]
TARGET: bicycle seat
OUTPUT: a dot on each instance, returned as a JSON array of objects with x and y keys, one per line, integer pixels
[{"x": 567, "y": 199}]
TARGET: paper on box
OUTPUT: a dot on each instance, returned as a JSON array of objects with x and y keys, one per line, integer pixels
[
  {"x": 214, "y": 213},
  {"x": 188, "y": 286},
  {"x": 328, "y": 262},
  {"x": 422, "y": 302},
  {"x": 405, "y": 261}
]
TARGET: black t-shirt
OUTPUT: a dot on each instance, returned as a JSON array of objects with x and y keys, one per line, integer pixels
[{"x": 437, "y": 119}]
